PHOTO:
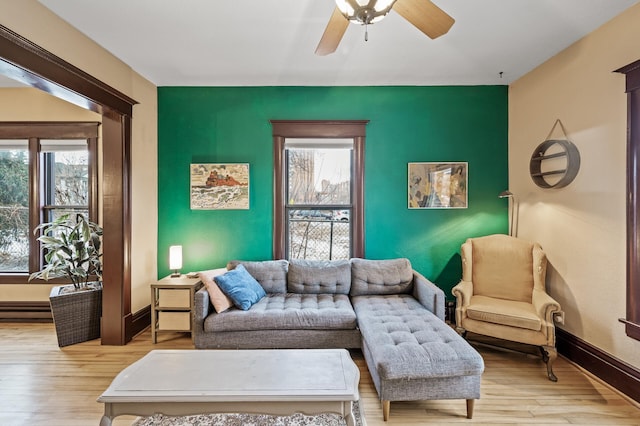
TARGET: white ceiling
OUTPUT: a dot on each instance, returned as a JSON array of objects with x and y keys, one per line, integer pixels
[{"x": 272, "y": 42}]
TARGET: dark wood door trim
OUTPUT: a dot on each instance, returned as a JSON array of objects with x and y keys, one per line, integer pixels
[
  {"x": 34, "y": 66},
  {"x": 29, "y": 63},
  {"x": 632, "y": 82},
  {"x": 116, "y": 302}
]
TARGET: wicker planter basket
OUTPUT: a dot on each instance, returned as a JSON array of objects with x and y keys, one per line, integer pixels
[{"x": 76, "y": 315}]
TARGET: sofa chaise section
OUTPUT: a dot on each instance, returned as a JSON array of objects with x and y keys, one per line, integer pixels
[{"x": 411, "y": 353}]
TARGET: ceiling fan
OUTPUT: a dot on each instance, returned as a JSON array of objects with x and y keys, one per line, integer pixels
[{"x": 422, "y": 14}]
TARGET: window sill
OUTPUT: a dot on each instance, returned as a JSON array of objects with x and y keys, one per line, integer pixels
[{"x": 23, "y": 278}]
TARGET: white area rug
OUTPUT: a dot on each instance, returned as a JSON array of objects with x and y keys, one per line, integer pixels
[{"x": 251, "y": 420}]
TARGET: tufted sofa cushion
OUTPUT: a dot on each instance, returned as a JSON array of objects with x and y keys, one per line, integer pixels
[
  {"x": 271, "y": 274},
  {"x": 389, "y": 276},
  {"x": 408, "y": 342},
  {"x": 319, "y": 276},
  {"x": 288, "y": 312}
]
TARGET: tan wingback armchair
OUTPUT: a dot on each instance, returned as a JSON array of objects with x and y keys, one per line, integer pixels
[{"x": 502, "y": 294}]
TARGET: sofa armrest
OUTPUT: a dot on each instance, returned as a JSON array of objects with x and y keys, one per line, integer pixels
[
  {"x": 201, "y": 309},
  {"x": 428, "y": 294}
]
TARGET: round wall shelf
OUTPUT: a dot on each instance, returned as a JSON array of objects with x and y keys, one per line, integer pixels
[{"x": 554, "y": 163}]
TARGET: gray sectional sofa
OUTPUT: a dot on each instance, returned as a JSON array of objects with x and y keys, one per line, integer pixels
[{"x": 383, "y": 307}]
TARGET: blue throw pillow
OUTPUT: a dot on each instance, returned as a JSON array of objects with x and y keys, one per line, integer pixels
[{"x": 241, "y": 287}]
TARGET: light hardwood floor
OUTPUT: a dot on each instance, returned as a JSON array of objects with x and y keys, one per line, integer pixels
[{"x": 41, "y": 384}]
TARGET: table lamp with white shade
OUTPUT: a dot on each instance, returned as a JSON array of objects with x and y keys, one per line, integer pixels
[{"x": 175, "y": 260}]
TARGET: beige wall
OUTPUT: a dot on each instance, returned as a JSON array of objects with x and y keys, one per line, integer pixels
[
  {"x": 582, "y": 226},
  {"x": 35, "y": 22}
]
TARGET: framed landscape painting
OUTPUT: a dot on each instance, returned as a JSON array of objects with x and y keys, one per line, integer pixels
[
  {"x": 437, "y": 186},
  {"x": 219, "y": 186}
]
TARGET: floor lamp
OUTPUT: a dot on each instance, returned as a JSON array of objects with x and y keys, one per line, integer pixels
[{"x": 513, "y": 219}]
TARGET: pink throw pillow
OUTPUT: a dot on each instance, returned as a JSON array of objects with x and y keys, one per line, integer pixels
[{"x": 219, "y": 300}]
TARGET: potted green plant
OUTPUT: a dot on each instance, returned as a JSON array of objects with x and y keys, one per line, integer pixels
[{"x": 72, "y": 250}]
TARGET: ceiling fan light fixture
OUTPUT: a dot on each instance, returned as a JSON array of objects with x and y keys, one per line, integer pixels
[
  {"x": 422, "y": 14},
  {"x": 364, "y": 12}
]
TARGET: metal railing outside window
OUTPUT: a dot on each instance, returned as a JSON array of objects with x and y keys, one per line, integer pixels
[{"x": 320, "y": 239}]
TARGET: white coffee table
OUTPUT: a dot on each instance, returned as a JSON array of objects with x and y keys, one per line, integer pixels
[{"x": 279, "y": 382}]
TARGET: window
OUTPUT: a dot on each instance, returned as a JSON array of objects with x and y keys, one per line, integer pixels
[
  {"x": 46, "y": 170},
  {"x": 65, "y": 178},
  {"x": 14, "y": 205},
  {"x": 319, "y": 205},
  {"x": 318, "y": 189}
]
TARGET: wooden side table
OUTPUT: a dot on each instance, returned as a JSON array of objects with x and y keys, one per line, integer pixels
[{"x": 172, "y": 304}]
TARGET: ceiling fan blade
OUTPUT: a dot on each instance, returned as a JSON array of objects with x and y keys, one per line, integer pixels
[
  {"x": 425, "y": 16},
  {"x": 333, "y": 33}
]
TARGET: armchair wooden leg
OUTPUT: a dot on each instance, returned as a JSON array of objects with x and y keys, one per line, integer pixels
[
  {"x": 386, "y": 407},
  {"x": 549, "y": 355},
  {"x": 470, "y": 403}
]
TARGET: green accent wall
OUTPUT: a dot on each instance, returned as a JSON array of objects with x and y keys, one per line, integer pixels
[{"x": 406, "y": 124}]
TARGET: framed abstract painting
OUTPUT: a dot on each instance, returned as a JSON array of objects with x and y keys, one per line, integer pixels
[{"x": 437, "y": 185}]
